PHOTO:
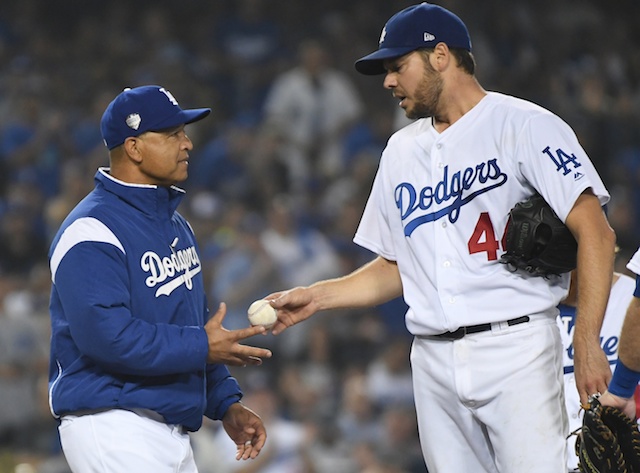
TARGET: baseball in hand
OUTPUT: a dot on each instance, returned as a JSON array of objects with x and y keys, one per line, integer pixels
[{"x": 261, "y": 313}]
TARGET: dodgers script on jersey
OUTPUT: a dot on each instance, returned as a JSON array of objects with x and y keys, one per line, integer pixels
[
  {"x": 440, "y": 202},
  {"x": 619, "y": 299}
]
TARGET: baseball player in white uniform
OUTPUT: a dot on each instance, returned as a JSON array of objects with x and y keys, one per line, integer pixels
[
  {"x": 487, "y": 352},
  {"x": 621, "y": 294},
  {"x": 627, "y": 371}
]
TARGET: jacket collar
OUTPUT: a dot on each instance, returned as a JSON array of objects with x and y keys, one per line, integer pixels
[{"x": 152, "y": 200}]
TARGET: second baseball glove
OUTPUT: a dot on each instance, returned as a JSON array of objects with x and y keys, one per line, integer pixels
[
  {"x": 537, "y": 241},
  {"x": 609, "y": 442}
]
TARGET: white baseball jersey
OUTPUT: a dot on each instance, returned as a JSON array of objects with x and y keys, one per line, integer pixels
[
  {"x": 634, "y": 263},
  {"x": 619, "y": 299},
  {"x": 440, "y": 202}
]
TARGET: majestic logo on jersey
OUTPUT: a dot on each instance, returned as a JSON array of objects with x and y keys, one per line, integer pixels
[
  {"x": 457, "y": 190},
  {"x": 563, "y": 160},
  {"x": 609, "y": 345},
  {"x": 170, "y": 272}
]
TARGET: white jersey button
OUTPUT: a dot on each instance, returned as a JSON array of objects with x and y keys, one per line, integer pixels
[
  {"x": 452, "y": 300},
  {"x": 446, "y": 264}
]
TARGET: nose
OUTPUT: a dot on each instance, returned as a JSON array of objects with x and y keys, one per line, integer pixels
[
  {"x": 390, "y": 81},
  {"x": 187, "y": 143}
]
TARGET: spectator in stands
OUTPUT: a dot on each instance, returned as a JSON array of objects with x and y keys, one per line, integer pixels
[{"x": 313, "y": 106}]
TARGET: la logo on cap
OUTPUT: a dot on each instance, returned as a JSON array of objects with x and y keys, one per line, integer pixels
[
  {"x": 171, "y": 98},
  {"x": 382, "y": 35}
]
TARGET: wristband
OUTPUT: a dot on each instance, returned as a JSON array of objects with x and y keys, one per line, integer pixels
[
  {"x": 624, "y": 381},
  {"x": 636, "y": 293}
]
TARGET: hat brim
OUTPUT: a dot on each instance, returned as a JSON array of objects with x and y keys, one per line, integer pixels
[
  {"x": 183, "y": 117},
  {"x": 372, "y": 64}
]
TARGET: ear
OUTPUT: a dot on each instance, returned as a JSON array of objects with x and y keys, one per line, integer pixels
[
  {"x": 441, "y": 57},
  {"x": 132, "y": 148}
]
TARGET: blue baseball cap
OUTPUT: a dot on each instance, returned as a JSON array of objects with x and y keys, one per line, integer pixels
[
  {"x": 415, "y": 27},
  {"x": 141, "y": 109}
]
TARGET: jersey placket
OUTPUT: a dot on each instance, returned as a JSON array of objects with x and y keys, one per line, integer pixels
[{"x": 446, "y": 262}]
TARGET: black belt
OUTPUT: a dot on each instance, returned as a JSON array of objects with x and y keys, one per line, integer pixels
[{"x": 462, "y": 331}]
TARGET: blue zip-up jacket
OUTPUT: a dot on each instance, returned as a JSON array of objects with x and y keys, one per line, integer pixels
[{"x": 128, "y": 308}]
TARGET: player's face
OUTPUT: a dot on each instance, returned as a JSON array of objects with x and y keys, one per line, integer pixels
[
  {"x": 427, "y": 94},
  {"x": 415, "y": 82},
  {"x": 165, "y": 156}
]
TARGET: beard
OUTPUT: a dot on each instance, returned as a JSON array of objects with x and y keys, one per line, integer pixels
[{"x": 427, "y": 96}]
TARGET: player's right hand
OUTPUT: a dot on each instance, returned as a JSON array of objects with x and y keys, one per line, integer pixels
[
  {"x": 293, "y": 306},
  {"x": 225, "y": 347}
]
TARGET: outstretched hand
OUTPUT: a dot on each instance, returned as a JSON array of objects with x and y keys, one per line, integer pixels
[
  {"x": 293, "y": 306},
  {"x": 246, "y": 429},
  {"x": 225, "y": 347}
]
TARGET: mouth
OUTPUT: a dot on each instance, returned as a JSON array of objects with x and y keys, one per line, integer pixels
[{"x": 401, "y": 99}]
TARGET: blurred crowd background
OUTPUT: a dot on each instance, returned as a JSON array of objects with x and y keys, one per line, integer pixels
[{"x": 278, "y": 179}]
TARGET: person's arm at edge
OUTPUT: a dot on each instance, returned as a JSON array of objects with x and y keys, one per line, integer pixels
[
  {"x": 628, "y": 351},
  {"x": 627, "y": 372},
  {"x": 373, "y": 283},
  {"x": 596, "y": 254}
]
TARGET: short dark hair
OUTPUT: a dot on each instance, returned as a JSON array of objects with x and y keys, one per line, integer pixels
[{"x": 465, "y": 59}]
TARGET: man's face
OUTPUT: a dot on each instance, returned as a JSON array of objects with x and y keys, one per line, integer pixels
[
  {"x": 165, "y": 156},
  {"x": 415, "y": 83}
]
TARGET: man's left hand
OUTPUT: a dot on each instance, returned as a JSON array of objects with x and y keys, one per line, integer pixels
[{"x": 246, "y": 429}]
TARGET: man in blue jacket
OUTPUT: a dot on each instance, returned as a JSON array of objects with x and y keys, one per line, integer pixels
[{"x": 136, "y": 362}]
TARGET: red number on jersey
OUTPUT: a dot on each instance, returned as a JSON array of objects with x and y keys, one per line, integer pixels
[{"x": 484, "y": 238}]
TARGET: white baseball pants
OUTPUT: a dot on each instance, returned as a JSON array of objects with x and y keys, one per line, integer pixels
[
  {"x": 492, "y": 402},
  {"x": 117, "y": 441}
]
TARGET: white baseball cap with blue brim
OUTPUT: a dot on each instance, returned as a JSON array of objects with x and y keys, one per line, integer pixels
[
  {"x": 418, "y": 26},
  {"x": 141, "y": 109}
]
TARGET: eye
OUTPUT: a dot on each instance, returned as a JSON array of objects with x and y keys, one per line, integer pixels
[
  {"x": 394, "y": 67},
  {"x": 178, "y": 133}
]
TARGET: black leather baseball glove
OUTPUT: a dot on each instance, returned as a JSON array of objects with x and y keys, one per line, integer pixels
[
  {"x": 609, "y": 441},
  {"x": 537, "y": 241}
]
